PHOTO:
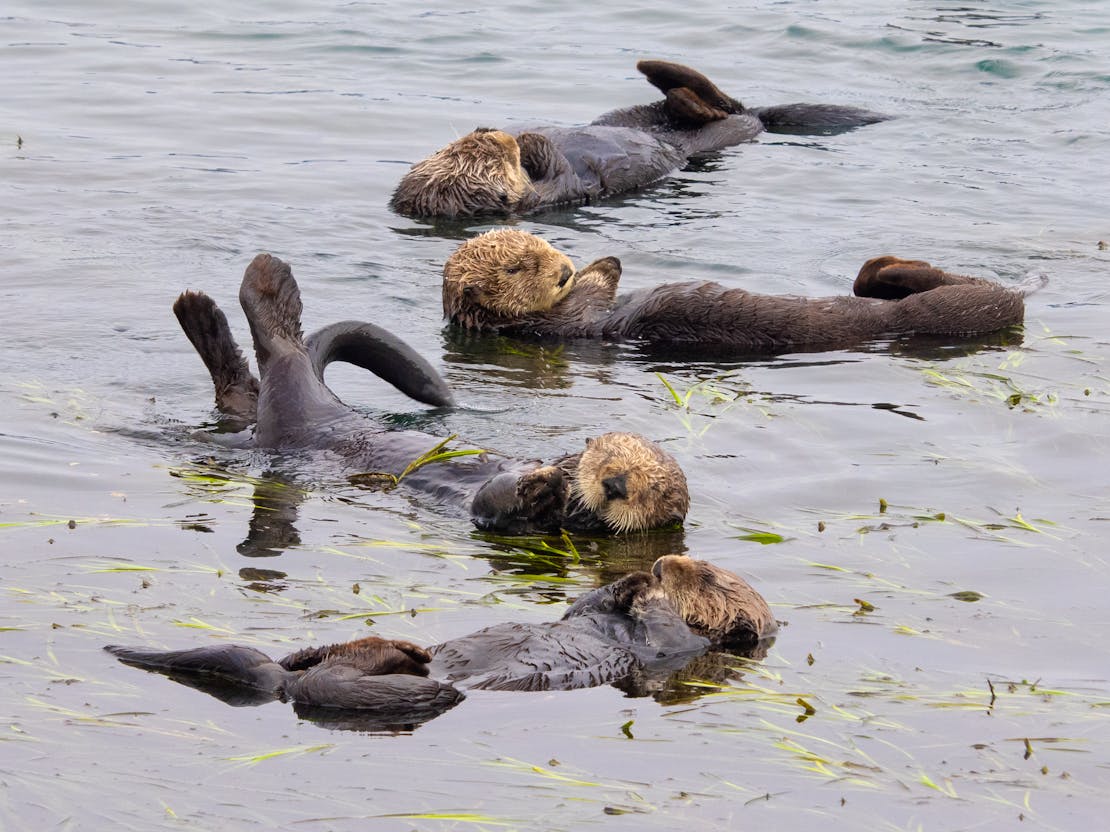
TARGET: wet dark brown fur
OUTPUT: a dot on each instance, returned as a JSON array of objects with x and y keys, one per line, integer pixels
[{"x": 893, "y": 297}]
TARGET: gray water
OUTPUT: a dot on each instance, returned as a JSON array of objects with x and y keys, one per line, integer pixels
[{"x": 151, "y": 148}]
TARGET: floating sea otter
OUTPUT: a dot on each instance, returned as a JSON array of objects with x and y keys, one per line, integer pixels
[
  {"x": 620, "y": 482},
  {"x": 635, "y": 630},
  {"x": 496, "y": 172},
  {"x": 513, "y": 282}
]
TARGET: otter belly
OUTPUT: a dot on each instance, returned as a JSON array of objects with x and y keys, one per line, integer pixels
[{"x": 611, "y": 160}]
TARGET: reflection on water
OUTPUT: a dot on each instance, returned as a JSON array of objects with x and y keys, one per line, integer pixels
[{"x": 272, "y": 528}]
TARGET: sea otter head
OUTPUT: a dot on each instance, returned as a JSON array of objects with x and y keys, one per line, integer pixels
[
  {"x": 630, "y": 483},
  {"x": 497, "y": 277},
  {"x": 477, "y": 174},
  {"x": 715, "y": 603}
]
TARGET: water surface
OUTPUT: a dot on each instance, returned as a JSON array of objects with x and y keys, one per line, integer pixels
[{"x": 147, "y": 150}]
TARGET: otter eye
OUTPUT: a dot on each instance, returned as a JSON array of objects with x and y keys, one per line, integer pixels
[{"x": 513, "y": 269}]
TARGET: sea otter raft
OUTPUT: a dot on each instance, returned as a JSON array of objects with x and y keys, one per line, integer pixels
[
  {"x": 620, "y": 482},
  {"x": 639, "y": 628},
  {"x": 513, "y": 282},
  {"x": 512, "y": 173}
]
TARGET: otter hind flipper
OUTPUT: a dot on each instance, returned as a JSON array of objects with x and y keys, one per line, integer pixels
[
  {"x": 375, "y": 349},
  {"x": 684, "y": 105},
  {"x": 892, "y": 278},
  {"x": 695, "y": 98},
  {"x": 206, "y": 327},
  {"x": 271, "y": 300},
  {"x": 371, "y": 655}
]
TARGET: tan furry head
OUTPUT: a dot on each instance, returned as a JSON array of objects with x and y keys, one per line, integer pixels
[
  {"x": 502, "y": 275},
  {"x": 631, "y": 483},
  {"x": 715, "y": 603},
  {"x": 477, "y": 174}
]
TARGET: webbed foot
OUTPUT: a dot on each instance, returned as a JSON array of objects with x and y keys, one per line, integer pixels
[{"x": 691, "y": 97}]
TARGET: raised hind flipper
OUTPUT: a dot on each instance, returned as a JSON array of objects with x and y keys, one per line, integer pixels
[
  {"x": 206, "y": 327},
  {"x": 691, "y": 97},
  {"x": 272, "y": 300},
  {"x": 892, "y": 278},
  {"x": 369, "y": 346}
]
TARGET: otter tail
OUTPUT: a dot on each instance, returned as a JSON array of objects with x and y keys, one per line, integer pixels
[
  {"x": 271, "y": 300},
  {"x": 815, "y": 119},
  {"x": 959, "y": 310},
  {"x": 1033, "y": 282},
  {"x": 384, "y": 354},
  {"x": 206, "y": 327}
]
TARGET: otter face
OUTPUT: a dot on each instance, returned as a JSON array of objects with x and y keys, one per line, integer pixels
[
  {"x": 630, "y": 483},
  {"x": 714, "y": 602},
  {"x": 477, "y": 174},
  {"x": 501, "y": 275}
]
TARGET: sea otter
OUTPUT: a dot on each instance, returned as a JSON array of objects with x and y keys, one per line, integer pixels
[
  {"x": 513, "y": 282},
  {"x": 640, "y": 627},
  {"x": 620, "y": 482},
  {"x": 496, "y": 172}
]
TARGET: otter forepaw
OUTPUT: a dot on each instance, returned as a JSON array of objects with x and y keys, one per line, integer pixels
[
  {"x": 537, "y": 155},
  {"x": 542, "y": 492}
]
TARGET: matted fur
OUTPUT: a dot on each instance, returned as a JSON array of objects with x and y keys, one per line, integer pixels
[
  {"x": 479, "y": 173},
  {"x": 715, "y": 603},
  {"x": 653, "y": 481},
  {"x": 504, "y": 273}
]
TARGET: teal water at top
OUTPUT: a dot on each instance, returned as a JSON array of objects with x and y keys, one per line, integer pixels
[{"x": 146, "y": 149}]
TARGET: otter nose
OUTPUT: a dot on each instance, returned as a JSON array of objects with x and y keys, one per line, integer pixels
[
  {"x": 615, "y": 487},
  {"x": 565, "y": 275}
]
